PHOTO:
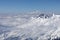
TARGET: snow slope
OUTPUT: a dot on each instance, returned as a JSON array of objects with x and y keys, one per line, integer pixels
[{"x": 29, "y": 28}]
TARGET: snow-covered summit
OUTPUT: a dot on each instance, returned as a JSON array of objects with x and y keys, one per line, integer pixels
[{"x": 45, "y": 15}]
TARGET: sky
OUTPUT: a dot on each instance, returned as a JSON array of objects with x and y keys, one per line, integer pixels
[{"x": 18, "y": 6}]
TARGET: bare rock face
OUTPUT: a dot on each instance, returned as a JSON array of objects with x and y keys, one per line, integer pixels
[
  {"x": 29, "y": 39},
  {"x": 55, "y": 38},
  {"x": 44, "y": 16},
  {"x": 13, "y": 38}
]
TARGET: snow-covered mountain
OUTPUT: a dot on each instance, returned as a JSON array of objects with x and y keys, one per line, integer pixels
[{"x": 26, "y": 27}]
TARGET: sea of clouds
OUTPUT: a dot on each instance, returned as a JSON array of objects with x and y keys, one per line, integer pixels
[{"x": 27, "y": 27}]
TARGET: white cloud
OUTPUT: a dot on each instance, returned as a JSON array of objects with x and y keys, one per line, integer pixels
[{"x": 31, "y": 26}]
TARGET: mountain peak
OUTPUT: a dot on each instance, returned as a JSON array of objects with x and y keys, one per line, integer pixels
[{"x": 45, "y": 15}]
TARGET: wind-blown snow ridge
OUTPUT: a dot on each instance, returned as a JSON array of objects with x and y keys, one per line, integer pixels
[{"x": 29, "y": 28}]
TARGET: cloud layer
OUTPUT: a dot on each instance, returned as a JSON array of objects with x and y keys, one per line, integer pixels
[{"x": 26, "y": 26}]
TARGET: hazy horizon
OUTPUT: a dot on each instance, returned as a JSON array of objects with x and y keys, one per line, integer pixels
[{"x": 20, "y": 6}]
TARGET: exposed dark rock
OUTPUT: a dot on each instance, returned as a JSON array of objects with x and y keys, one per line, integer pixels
[
  {"x": 44, "y": 16},
  {"x": 13, "y": 38},
  {"x": 56, "y": 39},
  {"x": 41, "y": 15},
  {"x": 28, "y": 39}
]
